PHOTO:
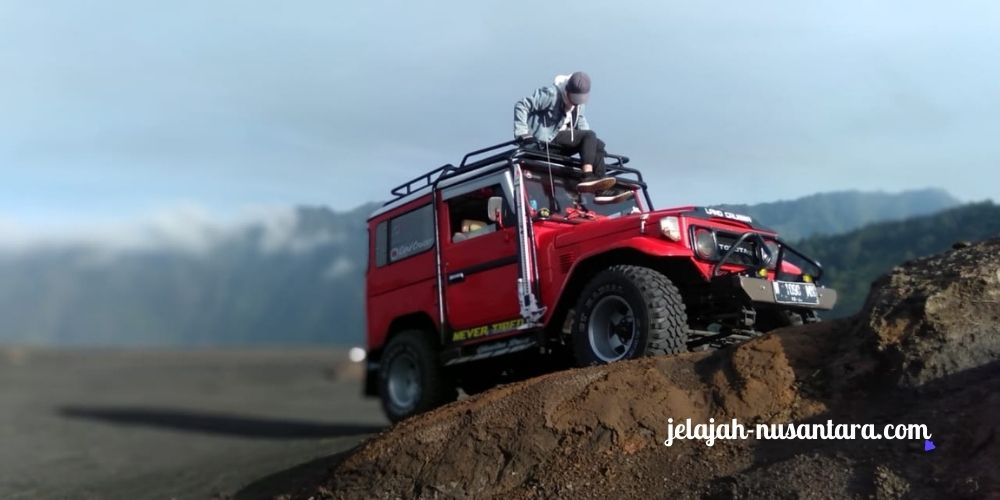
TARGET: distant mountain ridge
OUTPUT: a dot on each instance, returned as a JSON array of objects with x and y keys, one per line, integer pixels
[
  {"x": 298, "y": 277},
  {"x": 853, "y": 260},
  {"x": 842, "y": 211},
  {"x": 294, "y": 279}
]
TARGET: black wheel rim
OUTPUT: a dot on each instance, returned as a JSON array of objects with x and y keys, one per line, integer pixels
[{"x": 611, "y": 329}]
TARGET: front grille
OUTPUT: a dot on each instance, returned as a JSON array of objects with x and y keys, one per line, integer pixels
[{"x": 747, "y": 253}]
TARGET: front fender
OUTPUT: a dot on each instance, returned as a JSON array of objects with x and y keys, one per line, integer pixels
[{"x": 641, "y": 250}]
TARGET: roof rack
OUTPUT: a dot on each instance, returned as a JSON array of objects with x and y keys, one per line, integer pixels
[
  {"x": 465, "y": 158},
  {"x": 526, "y": 150},
  {"x": 408, "y": 188}
]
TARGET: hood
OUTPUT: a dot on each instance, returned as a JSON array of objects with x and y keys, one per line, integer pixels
[
  {"x": 719, "y": 219},
  {"x": 598, "y": 229}
]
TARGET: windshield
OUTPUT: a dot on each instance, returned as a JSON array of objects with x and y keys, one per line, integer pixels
[{"x": 557, "y": 194}]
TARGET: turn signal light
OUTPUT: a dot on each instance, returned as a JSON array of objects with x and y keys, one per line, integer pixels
[
  {"x": 807, "y": 278},
  {"x": 762, "y": 272},
  {"x": 671, "y": 228}
]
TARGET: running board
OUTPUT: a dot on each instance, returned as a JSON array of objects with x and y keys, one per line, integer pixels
[
  {"x": 719, "y": 339},
  {"x": 493, "y": 349}
]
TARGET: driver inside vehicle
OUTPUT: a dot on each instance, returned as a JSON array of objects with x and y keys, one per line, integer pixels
[
  {"x": 558, "y": 196},
  {"x": 469, "y": 213}
]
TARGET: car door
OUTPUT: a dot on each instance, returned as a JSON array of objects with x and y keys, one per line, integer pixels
[{"x": 479, "y": 262}]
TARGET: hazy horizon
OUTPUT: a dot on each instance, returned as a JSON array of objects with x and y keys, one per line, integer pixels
[{"x": 194, "y": 229}]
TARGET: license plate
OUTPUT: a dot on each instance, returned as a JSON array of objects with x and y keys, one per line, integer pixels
[{"x": 795, "y": 293}]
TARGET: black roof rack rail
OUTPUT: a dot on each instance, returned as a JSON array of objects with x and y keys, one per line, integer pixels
[
  {"x": 424, "y": 180},
  {"x": 622, "y": 159},
  {"x": 528, "y": 150},
  {"x": 533, "y": 147},
  {"x": 465, "y": 159},
  {"x": 615, "y": 167}
]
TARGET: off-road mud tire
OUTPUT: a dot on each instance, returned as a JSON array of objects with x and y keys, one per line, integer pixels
[
  {"x": 657, "y": 306},
  {"x": 435, "y": 386}
]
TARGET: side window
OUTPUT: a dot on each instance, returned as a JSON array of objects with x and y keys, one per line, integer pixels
[
  {"x": 468, "y": 214},
  {"x": 404, "y": 236}
]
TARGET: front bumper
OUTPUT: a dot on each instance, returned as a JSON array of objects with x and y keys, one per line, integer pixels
[{"x": 762, "y": 291}]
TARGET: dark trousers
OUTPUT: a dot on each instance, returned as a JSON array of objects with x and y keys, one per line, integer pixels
[{"x": 586, "y": 143}]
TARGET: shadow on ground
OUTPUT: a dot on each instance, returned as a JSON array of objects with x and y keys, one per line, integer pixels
[
  {"x": 215, "y": 423},
  {"x": 299, "y": 479}
]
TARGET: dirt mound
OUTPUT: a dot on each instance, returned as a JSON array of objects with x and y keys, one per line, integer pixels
[
  {"x": 924, "y": 351},
  {"x": 937, "y": 316},
  {"x": 604, "y": 422}
]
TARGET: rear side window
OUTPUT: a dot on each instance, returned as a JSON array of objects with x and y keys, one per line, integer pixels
[
  {"x": 381, "y": 243},
  {"x": 404, "y": 236}
]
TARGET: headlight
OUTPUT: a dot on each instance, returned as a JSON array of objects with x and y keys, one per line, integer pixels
[
  {"x": 671, "y": 228},
  {"x": 704, "y": 244}
]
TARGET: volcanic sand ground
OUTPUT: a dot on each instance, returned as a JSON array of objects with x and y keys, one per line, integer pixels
[
  {"x": 133, "y": 425},
  {"x": 924, "y": 350}
]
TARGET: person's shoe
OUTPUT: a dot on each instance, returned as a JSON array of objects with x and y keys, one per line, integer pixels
[
  {"x": 609, "y": 197},
  {"x": 594, "y": 184}
]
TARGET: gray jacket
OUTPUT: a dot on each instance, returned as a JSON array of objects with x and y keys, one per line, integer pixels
[{"x": 542, "y": 114}]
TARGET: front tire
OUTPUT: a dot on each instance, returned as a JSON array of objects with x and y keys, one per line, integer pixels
[
  {"x": 627, "y": 312},
  {"x": 411, "y": 380}
]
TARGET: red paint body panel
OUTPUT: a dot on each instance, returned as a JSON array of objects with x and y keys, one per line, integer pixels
[
  {"x": 482, "y": 297},
  {"x": 398, "y": 289},
  {"x": 591, "y": 230},
  {"x": 487, "y": 296}
]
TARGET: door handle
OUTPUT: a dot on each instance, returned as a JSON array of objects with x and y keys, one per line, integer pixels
[{"x": 456, "y": 278}]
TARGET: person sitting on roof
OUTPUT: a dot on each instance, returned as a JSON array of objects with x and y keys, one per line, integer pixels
[{"x": 554, "y": 115}]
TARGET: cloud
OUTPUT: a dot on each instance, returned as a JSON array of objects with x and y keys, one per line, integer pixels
[
  {"x": 282, "y": 232},
  {"x": 182, "y": 230},
  {"x": 185, "y": 228},
  {"x": 339, "y": 268},
  {"x": 188, "y": 228}
]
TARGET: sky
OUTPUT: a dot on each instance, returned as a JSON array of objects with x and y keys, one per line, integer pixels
[{"x": 113, "y": 110}]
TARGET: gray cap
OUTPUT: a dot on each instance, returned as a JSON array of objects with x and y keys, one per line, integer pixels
[{"x": 578, "y": 87}]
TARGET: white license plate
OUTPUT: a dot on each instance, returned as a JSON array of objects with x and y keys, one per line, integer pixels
[{"x": 786, "y": 292}]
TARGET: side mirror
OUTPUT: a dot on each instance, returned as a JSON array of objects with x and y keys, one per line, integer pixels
[{"x": 494, "y": 209}]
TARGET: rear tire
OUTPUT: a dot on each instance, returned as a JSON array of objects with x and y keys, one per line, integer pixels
[
  {"x": 626, "y": 312},
  {"x": 411, "y": 380}
]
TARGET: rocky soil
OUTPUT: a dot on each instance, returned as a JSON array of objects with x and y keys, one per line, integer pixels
[{"x": 924, "y": 350}]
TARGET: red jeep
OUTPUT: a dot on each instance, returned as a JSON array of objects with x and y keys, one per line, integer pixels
[{"x": 499, "y": 268}]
